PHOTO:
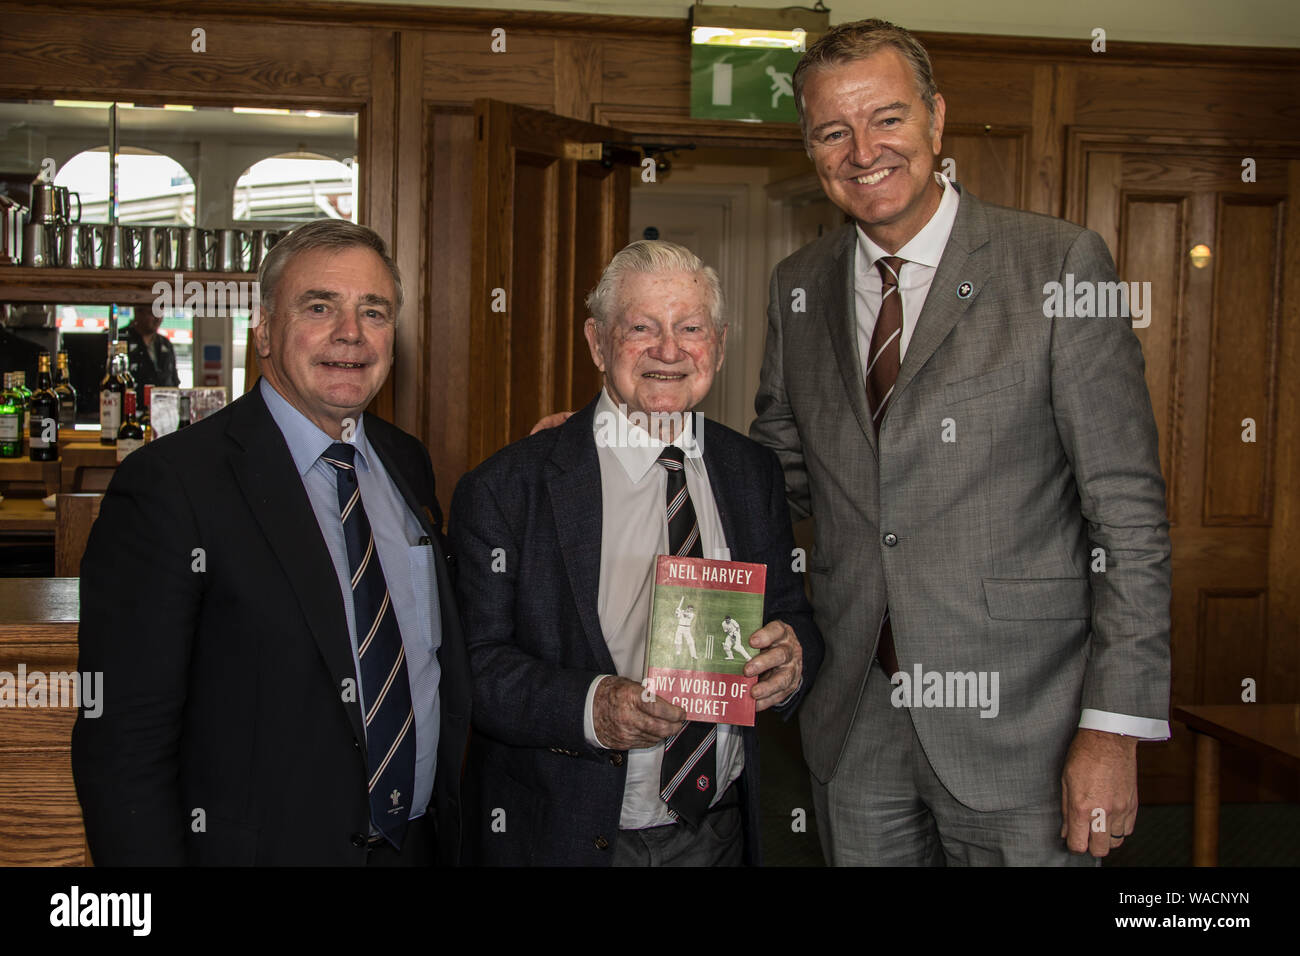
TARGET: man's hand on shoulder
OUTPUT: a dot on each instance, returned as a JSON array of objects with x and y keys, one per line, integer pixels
[
  {"x": 550, "y": 421},
  {"x": 1100, "y": 774},
  {"x": 625, "y": 720},
  {"x": 780, "y": 665}
]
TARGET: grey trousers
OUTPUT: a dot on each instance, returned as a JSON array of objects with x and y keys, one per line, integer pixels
[{"x": 885, "y": 806}]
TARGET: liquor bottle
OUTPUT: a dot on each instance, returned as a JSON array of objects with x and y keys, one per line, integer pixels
[
  {"x": 130, "y": 436},
  {"x": 146, "y": 424},
  {"x": 43, "y": 415},
  {"x": 116, "y": 383},
  {"x": 25, "y": 395},
  {"x": 184, "y": 412},
  {"x": 11, "y": 418},
  {"x": 66, "y": 393}
]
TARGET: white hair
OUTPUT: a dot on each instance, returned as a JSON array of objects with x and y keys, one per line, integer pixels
[{"x": 651, "y": 256}]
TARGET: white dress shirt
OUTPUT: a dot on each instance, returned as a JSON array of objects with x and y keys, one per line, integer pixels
[
  {"x": 922, "y": 254},
  {"x": 634, "y": 529}
]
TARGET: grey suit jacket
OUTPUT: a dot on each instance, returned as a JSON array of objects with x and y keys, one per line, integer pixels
[{"x": 1052, "y": 452}]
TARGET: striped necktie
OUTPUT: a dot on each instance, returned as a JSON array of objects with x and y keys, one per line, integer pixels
[
  {"x": 688, "y": 774},
  {"x": 385, "y": 688},
  {"x": 882, "y": 373}
]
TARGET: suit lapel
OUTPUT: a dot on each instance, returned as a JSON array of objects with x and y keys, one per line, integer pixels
[
  {"x": 965, "y": 259},
  {"x": 573, "y": 483},
  {"x": 275, "y": 494},
  {"x": 837, "y": 288},
  {"x": 725, "y": 479}
]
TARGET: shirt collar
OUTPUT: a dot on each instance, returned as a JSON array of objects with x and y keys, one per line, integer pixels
[
  {"x": 304, "y": 437},
  {"x": 639, "y": 453},
  {"x": 926, "y": 247}
]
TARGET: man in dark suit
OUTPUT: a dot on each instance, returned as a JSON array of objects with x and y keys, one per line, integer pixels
[
  {"x": 571, "y": 762},
  {"x": 989, "y": 509},
  {"x": 289, "y": 684},
  {"x": 149, "y": 353}
]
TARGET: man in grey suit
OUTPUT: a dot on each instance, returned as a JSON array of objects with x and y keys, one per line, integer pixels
[{"x": 991, "y": 569}]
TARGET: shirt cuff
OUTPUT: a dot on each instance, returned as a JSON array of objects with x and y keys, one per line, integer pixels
[
  {"x": 1143, "y": 728},
  {"x": 589, "y": 717}
]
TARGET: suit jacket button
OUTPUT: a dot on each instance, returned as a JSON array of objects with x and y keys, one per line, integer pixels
[
  {"x": 891, "y": 539},
  {"x": 356, "y": 744},
  {"x": 359, "y": 840},
  {"x": 602, "y": 843},
  {"x": 616, "y": 759}
]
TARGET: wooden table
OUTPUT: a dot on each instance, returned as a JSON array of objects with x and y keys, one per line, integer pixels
[
  {"x": 1270, "y": 730},
  {"x": 26, "y": 515},
  {"x": 40, "y": 818}
]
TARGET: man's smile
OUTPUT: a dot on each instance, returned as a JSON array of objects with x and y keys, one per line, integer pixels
[{"x": 870, "y": 179}]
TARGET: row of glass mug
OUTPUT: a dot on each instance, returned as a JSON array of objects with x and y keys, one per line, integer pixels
[{"x": 85, "y": 245}]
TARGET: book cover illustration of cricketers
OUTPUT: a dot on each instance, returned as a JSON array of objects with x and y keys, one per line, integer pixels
[{"x": 702, "y": 616}]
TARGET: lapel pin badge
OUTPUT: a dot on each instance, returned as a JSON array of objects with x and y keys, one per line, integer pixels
[{"x": 964, "y": 290}]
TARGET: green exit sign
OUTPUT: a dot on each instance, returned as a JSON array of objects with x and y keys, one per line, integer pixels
[{"x": 743, "y": 83}]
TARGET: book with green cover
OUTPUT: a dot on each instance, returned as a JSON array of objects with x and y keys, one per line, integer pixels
[{"x": 702, "y": 616}]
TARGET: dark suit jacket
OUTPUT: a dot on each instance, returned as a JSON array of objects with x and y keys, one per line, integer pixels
[
  {"x": 222, "y": 685},
  {"x": 536, "y": 644}
]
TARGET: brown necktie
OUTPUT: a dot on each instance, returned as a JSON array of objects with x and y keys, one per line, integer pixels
[{"x": 882, "y": 373}]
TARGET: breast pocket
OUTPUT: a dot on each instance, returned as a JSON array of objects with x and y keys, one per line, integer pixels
[
  {"x": 984, "y": 383},
  {"x": 424, "y": 585}
]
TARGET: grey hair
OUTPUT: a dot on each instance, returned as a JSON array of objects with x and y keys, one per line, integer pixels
[
  {"x": 649, "y": 256},
  {"x": 335, "y": 234},
  {"x": 857, "y": 41}
]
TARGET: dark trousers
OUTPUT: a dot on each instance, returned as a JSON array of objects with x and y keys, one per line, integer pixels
[{"x": 419, "y": 847}]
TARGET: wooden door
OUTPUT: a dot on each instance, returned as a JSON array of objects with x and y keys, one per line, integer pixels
[
  {"x": 1222, "y": 362},
  {"x": 548, "y": 216}
]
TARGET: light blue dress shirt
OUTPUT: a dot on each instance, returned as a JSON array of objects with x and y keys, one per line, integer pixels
[{"x": 408, "y": 567}]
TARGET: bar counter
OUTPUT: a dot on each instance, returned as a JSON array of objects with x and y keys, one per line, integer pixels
[{"x": 40, "y": 819}]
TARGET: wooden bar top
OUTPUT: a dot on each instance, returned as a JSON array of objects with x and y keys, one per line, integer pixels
[
  {"x": 39, "y": 609},
  {"x": 24, "y": 469},
  {"x": 26, "y": 514},
  {"x": 1272, "y": 730},
  {"x": 91, "y": 452}
]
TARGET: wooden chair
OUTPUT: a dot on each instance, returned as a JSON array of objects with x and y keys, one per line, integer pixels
[{"x": 73, "y": 516}]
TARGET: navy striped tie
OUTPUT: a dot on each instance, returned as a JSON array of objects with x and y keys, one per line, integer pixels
[
  {"x": 385, "y": 688},
  {"x": 688, "y": 774}
]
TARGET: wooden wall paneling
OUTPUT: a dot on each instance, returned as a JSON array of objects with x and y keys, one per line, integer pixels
[
  {"x": 578, "y": 76},
  {"x": 1284, "y": 543},
  {"x": 151, "y": 60},
  {"x": 1152, "y": 250},
  {"x": 1209, "y": 347},
  {"x": 602, "y": 210},
  {"x": 1176, "y": 99},
  {"x": 640, "y": 72},
  {"x": 1052, "y": 113},
  {"x": 407, "y": 196},
  {"x": 1239, "y": 480},
  {"x": 444, "y": 365},
  {"x": 1230, "y": 648},
  {"x": 985, "y": 91},
  {"x": 1102, "y": 171},
  {"x": 459, "y": 67},
  {"x": 376, "y": 155},
  {"x": 990, "y": 163},
  {"x": 1191, "y": 391},
  {"x": 531, "y": 293},
  {"x": 490, "y": 269}
]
